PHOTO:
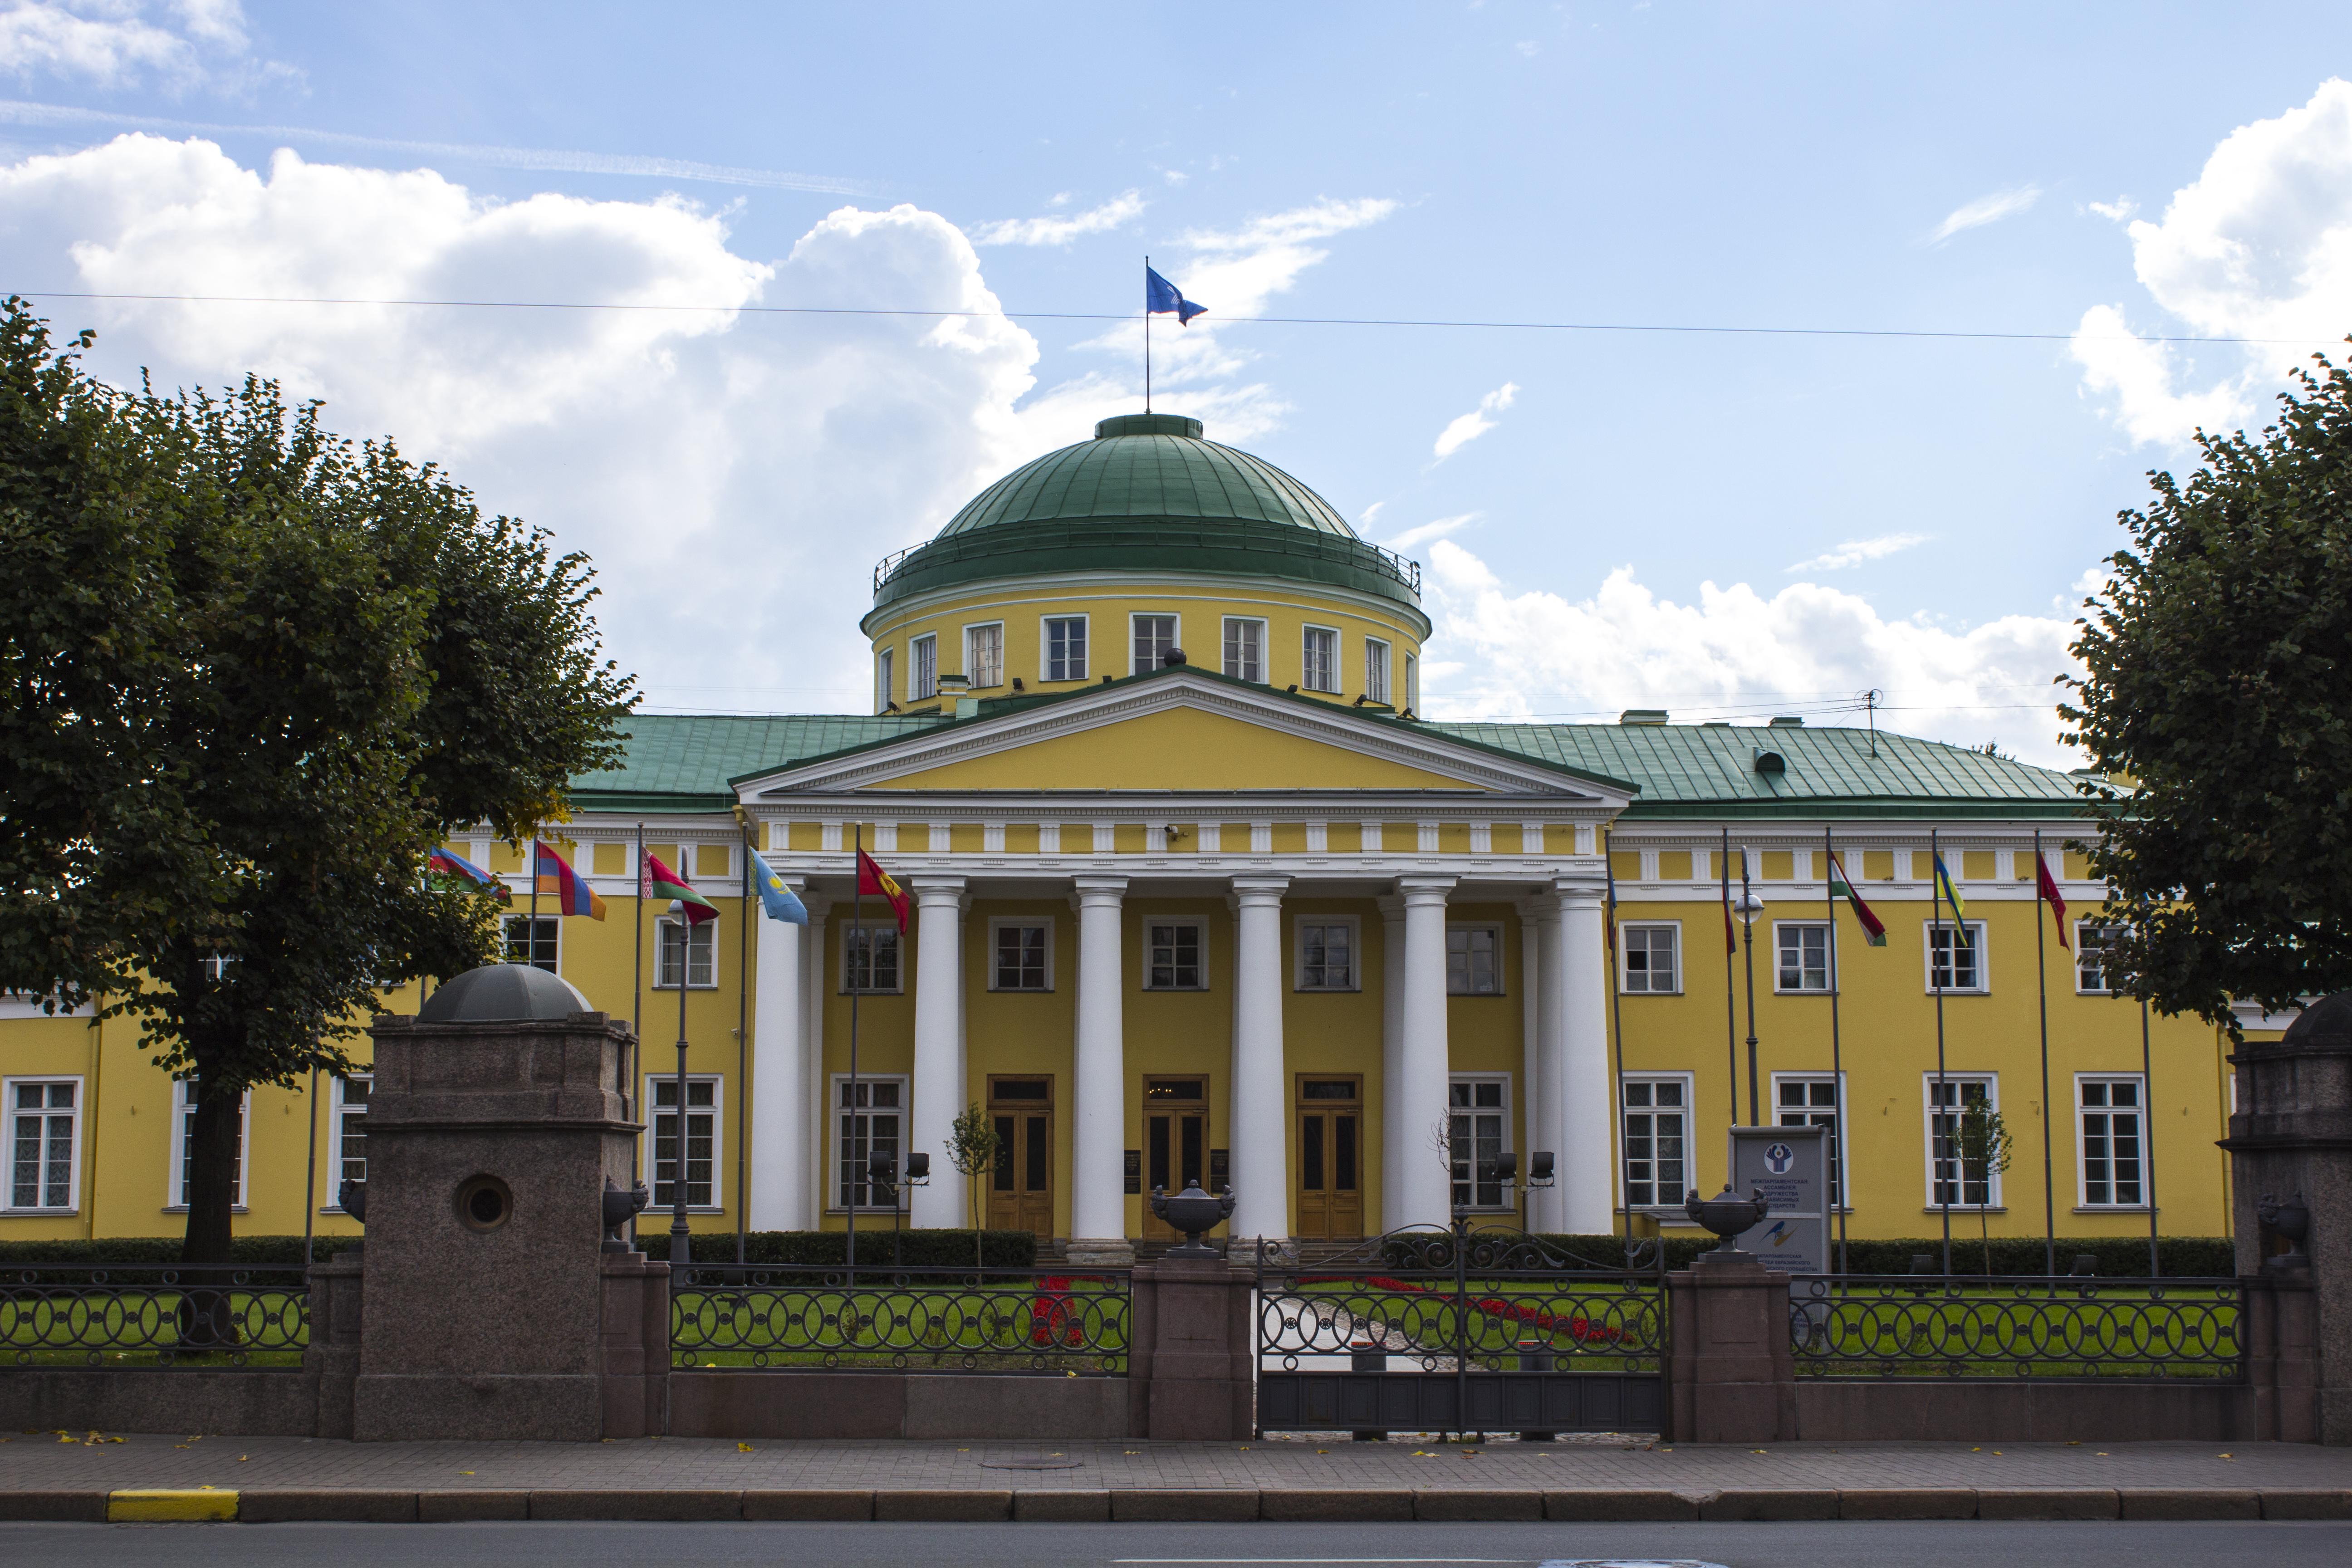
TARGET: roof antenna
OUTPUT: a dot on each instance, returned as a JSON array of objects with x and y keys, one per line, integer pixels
[{"x": 1870, "y": 700}]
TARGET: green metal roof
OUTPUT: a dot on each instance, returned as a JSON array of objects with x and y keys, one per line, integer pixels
[{"x": 681, "y": 762}]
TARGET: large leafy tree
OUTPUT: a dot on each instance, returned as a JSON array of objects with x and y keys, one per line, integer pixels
[
  {"x": 2218, "y": 693},
  {"x": 309, "y": 662}
]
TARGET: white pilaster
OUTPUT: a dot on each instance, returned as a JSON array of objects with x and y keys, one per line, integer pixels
[
  {"x": 1587, "y": 1095},
  {"x": 1425, "y": 1194},
  {"x": 939, "y": 1082},
  {"x": 1547, "y": 1074},
  {"x": 780, "y": 1118},
  {"x": 1259, "y": 1096},
  {"x": 1397, "y": 1137},
  {"x": 1098, "y": 1112}
]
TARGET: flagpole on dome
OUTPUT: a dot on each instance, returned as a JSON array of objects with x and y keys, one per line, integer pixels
[{"x": 1147, "y": 334}]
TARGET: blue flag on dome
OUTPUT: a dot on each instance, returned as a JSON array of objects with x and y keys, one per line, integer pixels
[{"x": 1161, "y": 297}]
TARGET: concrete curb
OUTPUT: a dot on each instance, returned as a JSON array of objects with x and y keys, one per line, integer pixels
[{"x": 1171, "y": 1505}]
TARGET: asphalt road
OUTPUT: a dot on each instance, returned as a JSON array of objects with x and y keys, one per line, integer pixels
[{"x": 1942, "y": 1546}]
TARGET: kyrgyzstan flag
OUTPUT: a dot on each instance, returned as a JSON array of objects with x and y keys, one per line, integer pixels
[
  {"x": 658, "y": 881},
  {"x": 872, "y": 879}
]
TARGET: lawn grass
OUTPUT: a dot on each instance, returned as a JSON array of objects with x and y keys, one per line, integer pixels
[
  {"x": 2043, "y": 1329},
  {"x": 1074, "y": 1325},
  {"x": 119, "y": 1326}
]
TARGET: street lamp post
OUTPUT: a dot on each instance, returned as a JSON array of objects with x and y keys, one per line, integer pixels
[{"x": 1751, "y": 901}]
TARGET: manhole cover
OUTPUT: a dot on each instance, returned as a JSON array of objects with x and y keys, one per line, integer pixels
[{"x": 1032, "y": 1462}]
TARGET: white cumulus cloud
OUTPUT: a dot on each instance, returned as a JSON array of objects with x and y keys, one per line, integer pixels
[
  {"x": 1468, "y": 427},
  {"x": 1984, "y": 209},
  {"x": 1441, "y": 528},
  {"x": 116, "y": 43},
  {"x": 1854, "y": 551},
  {"x": 1122, "y": 208}
]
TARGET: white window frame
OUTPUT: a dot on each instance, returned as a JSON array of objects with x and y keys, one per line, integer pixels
[
  {"x": 1377, "y": 671},
  {"x": 923, "y": 667},
  {"x": 1840, "y": 1152},
  {"x": 2090, "y": 936},
  {"x": 1958, "y": 1081},
  {"x": 1021, "y": 923},
  {"x": 1045, "y": 625},
  {"x": 886, "y": 661},
  {"x": 1976, "y": 936},
  {"x": 1224, "y": 636},
  {"x": 972, "y": 667},
  {"x": 1355, "y": 953},
  {"x": 1306, "y": 635},
  {"x": 898, "y": 985},
  {"x": 2083, "y": 1147},
  {"x": 1175, "y": 637},
  {"x": 1493, "y": 929},
  {"x": 341, "y": 1107},
  {"x": 176, "y": 1190},
  {"x": 1828, "y": 962},
  {"x": 1624, "y": 953},
  {"x": 1685, "y": 1082},
  {"x": 509, "y": 920},
  {"x": 707, "y": 933},
  {"x": 1199, "y": 929},
  {"x": 1505, "y": 1203},
  {"x": 1413, "y": 683},
  {"x": 835, "y": 1110},
  {"x": 8, "y": 1086},
  {"x": 653, "y": 1114}
]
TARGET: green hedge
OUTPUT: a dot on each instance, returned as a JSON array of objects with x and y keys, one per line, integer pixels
[
  {"x": 2119, "y": 1256},
  {"x": 252, "y": 1251},
  {"x": 931, "y": 1249}
]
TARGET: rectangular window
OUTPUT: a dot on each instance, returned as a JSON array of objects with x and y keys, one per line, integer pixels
[
  {"x": 1650, "y": 958},
  {"x": 1474, "y": 961},
  {"x": 1174, "y": 962},
  {"x": 1955, "y": 955},
  {"x": 534, "y": 940},
  {"x": 350, "y": 1133},
  {"x": 2113, "y": 1134},
  {"x": 883, "y": 664},
  {"x": 922, "y": 669},
  {"x": 869, "y": 958},
  {"x": 984, "y": 655},
  {"x": 1023, "y": 953},
  {"x": 44, "y": 1120},
  {"x": 1947, "y": 1102},
  {"x": 868, "y": 1119},
  {"x": 1657, "y": 1141},
  {"x": 1155, "y": 637},
  {"x": 1412, "y": 684},
  {"x": 1327, "y": 955},
  {"x": 1804, "y": 955},
  {"x": 1318, "y": 660},
  {"x": 692, "y": 943},
  {"x": 184, "y": 1127},
  {"x": 1806, "y": 1100},
  {"x": 1244, "y": 648},
  {"x": 1376, "y": 671},
  {"x": 2091, "y": 976},
  {"x": 702, "y": 1125},
  {"x": 1066, "y": 648},
  {"x": 1477, "y": 1129}
]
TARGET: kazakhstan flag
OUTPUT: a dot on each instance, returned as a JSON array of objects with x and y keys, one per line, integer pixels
[{"x": 774, "y": 895}]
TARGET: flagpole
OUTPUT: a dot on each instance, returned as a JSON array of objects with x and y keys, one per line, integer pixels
[
  {"x": 637, "y": 1006},
  {"x": 1943, "y": 1085},
  {"x": 1147, "y": 334},
  {"x": 1617, "y": 1027},
  {"x": 2042, "y": 976},
  {"x": 681, "y": 1245},
  {"x": 743, "y": 1053},
  {"x": 2147, "y": 1129},
  {"x": 857, "y": 931},
  {"x": 1837, "y": 1059},
  {"x": 1730, "y": 1000},
  {"x": 530, "y": 947},
  {"x": 1748, "y": 958}
]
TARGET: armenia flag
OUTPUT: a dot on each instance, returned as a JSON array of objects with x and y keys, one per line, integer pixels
[
  {"x": 1841, "y": 888},
  {"x": 872, "y": 879},
  {"x": 1951, "y": 892},
  {"x": 660, "y": 882},
  {"x": 774, "y": 897},
  {"x": 457, "y": 867},
  {"x": 572, "y": 894}
]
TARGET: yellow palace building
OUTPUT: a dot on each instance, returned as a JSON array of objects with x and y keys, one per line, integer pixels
[{"x": 1197, "y": 893}]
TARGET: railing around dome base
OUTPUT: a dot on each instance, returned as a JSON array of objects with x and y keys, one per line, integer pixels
[{"x": 1377, "y": 558}]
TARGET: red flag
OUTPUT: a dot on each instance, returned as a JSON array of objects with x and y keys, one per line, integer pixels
[
  {"x": 2048, "y": 892},
  {"x": 872, "y": 879}
]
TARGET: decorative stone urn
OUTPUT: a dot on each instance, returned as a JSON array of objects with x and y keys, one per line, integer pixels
[
  {"x": 1730, "y": 1215},
  {"x": 1194, "y": 1212}
]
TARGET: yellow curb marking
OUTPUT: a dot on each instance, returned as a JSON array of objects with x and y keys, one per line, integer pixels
[{"x": 169, "y": 1506}]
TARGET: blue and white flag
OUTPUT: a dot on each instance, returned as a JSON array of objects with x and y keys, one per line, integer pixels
[
  {"x": 1161, "y": 297},
  {"x": 774, "y": 897}
]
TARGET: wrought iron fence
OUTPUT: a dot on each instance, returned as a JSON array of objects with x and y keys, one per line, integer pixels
[
  {"x": 974, "y": 1319},
  {"x": 153, "y": 1315},
  {"x": 2016, "y": 1327}
]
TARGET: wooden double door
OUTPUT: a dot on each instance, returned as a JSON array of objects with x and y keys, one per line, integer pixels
[
  {"x": 1330, "y": 1156},
  {"x": 1175, "y": 1142},
  {"x": 1021, "y": 1187}
]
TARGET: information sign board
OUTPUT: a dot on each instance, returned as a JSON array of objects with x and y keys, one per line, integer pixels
[{"x": 1790, "y": 1165}]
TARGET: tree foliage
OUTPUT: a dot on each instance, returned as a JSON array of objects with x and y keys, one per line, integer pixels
[
  {"x": 2219, "y": 698},
  {"x": 975, "y": 1148}
]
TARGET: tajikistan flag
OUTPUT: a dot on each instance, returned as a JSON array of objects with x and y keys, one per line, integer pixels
[{"x": 1841, "y": 888}]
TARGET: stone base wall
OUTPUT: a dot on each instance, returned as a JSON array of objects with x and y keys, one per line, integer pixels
[
  {"x": 1918, "y": 1410},
  {"x": 988, "y": 1406},
  {"x": 225, "y": 1404}
]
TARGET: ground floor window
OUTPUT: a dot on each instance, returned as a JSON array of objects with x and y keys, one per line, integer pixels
[
  {"x": 183, "y": 1130},
  {"x": 350, "y": 1133},
  {"x": 1948, "y": 1098},
  {"x": 1805, "y": 1100},
  {"x": 702, "y": 1130},
  {"x": 43, "y": 1121},
  {"x": 533, "y": 939},
  {"x": 1657, "y": 1141},
  {"x": 2109, "y": 1110},
  {"x": 1478, "y": 1131},
  {"x": 870, "y": 1118},
  {"x": 692, "y": 946}
]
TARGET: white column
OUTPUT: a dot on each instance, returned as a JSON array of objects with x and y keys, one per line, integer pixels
[
  {"x": 1259, "y": 1120},
  {"x": 1586, "y": 1094},
  {"x": 816, "y": 987},
  {"x": 779, "y": 1089},
  {"x": 1396, "y": 1135},
  {"x": 1098, "y": 1101},
  {"x": 939, "y": 1086},
  {"x": 1545, "y": 1074},
  {"x": 1427, "y": 1194}
]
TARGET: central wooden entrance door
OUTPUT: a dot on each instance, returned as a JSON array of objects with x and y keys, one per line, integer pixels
[
  {"x": 1331, "y": 1157},
  {"x": 1175, "y": 1141},
  {"x": 1021, "y": 1188}
]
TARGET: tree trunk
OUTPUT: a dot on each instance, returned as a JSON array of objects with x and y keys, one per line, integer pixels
[{"x": 207, "y": 1312}]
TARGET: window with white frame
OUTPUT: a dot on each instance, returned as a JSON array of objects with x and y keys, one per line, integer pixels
[
  {"x": 1022, "y": 954},
  {"x": 1657, "y": 1141},
  {"x": 703, "y": 1125},
  {"x": 884, "y": 662},
  {"x": 689, "y": 946},
  {"x": 1412, "y": 684},
  {"x": 350, "y": 1133},
  {"x": 215, "y": 968},
  {"x": 1326, "y": 954},
  {"x": 1956, "y": 954},
  {"x": 1478, "y": 1131},
  {"x": 869, "y": 958},
  {"x": 1804, "y": 950},
  {"x": 1473, "y": 959},
  {"x": 1175, "y": 956},
  {"x": 44, "y": 1132},
  {"x": 1811, "y": 1100},
  {"x": 983, "y": 654},
  {"x": 1376, "y": 671},
  {"x": 923, "y": 667},
  {"x": 1066, "y": 648},
  {"x": 2111, "y": 1116},
  {"x": 535, "y": 939},
  {"x": 1652, "y": 961},
  {"x": 1154, "y": 637},
  {"x": 1244, "y": 648},
  {"x": 1318, "y": 660},
  {"x": 1948, "y": 1098},
  {"x": 183, "y": 1130},
  {"x": 2092, "y": 977},
  {"x": 870, "y": 1118}
]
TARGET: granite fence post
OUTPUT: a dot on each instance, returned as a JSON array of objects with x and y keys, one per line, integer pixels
[
  {"x": 1731, "y": 1368},
  {"x": 1193, "y": 1348}
]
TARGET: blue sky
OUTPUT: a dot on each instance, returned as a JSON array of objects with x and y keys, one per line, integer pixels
[{"x": 1722, "y": 524}]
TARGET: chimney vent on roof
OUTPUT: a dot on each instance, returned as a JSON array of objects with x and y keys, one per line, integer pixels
[
  {"x": 1770, "y": 763},
  {"x": 1642, "y": 716},
  {"x": 1784, "y": 721}
]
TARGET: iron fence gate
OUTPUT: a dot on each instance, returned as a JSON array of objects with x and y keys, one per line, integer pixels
[{"x": 1456, "y": 1330}]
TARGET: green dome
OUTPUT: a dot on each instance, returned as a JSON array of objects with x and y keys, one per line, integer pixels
[{"x": 1147, "y": 494}]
